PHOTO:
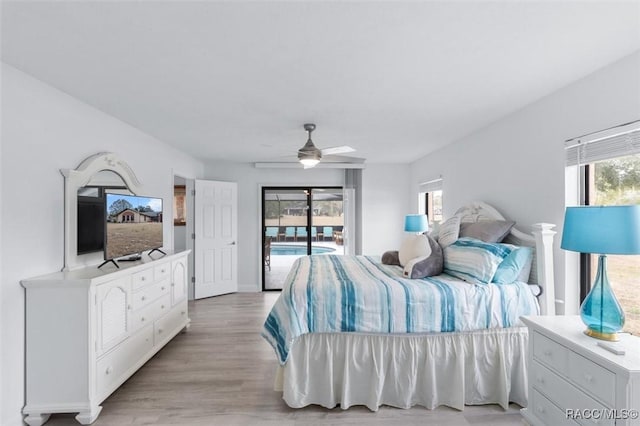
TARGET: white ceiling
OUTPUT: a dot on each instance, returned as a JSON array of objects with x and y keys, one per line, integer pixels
[{"x": 237, "y": 80}]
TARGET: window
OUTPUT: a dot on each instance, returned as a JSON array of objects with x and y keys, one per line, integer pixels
[
  {"x": 433, "y": 206},
  {"x": 609, "y": 183},
  {"x": 430, "y": 200},
  {"x": 609, "y": 174}
]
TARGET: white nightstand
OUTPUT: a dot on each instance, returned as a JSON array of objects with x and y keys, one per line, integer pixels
[{"x": 573, "y": 381}]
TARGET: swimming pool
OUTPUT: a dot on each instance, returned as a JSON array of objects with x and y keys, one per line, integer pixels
[{"x": 279, "y": 250}]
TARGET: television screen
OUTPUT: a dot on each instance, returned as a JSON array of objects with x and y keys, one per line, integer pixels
[{"x": 133, "y": 225}]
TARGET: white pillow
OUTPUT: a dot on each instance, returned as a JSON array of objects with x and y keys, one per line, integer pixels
[
  {"x": 412, "y": 247},
  {"x": 449, "y": 231}
]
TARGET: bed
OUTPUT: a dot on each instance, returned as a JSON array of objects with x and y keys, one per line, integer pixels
[{"x": 337, "y": 344}]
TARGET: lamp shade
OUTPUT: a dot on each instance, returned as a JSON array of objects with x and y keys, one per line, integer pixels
[
  {"x": 416, "y": 223},
  {"x": 602, "y": 229}
]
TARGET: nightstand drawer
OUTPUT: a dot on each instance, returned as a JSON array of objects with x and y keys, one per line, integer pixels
[
  {"x": 550, "y": 353},
  {"x": 565, "y": 395},
  {"x": 592, "y": 377},
  {"x": 546, "y": 411}
]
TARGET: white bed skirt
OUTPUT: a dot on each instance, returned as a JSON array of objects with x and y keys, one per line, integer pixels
[{"x": 453, "y": 369}]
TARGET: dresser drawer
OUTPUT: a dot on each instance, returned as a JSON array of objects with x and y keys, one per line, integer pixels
[
  {"x": 564, "y": 394},
  {"x": 166, "y": 326},
  {"x": 150, "y": 293},
  {"x": 111, "y": 368},
  {"x": 592, "y": 377},
  {"x": 162, "y": 271},
  {"x": 547, "y": 412},
  {"x": 149, "y": 313},
  {"x": 550, "y": 353},
  {"x": 141, "y": 279}
]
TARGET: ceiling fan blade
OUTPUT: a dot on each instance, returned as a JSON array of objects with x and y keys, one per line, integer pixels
[
  {"x": 337, "y": 150},
  {"x": 342, "y": 159}
]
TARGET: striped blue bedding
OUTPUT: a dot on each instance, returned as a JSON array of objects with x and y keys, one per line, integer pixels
[{"x": 330, "y": 293}]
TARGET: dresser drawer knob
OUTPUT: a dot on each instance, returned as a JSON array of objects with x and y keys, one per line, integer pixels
[
  {"x": 162, "y": 271},
  {"x": 129, "y": 307},
  {"x": 547, "y": 353},
  {"x": 182, "y": 313},
  {"x": 161, "y": 306},
  {"x": 143, "y": 298},
  {"x": 143, "y": 278},
  {"x": 162, "y": 288},
  {"x": 159, "y": 331},
  {"x": 173, "y": 284},
  {"x": 588, "y": 378},
  {"x": 108, "y": 370},
  {"x": 142, "y": 319}
]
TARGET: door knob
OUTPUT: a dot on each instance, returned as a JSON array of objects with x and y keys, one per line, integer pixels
[{"x": 232, "y": 243}]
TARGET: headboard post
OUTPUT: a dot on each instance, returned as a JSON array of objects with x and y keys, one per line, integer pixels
[{"x": 543, "y": 234}]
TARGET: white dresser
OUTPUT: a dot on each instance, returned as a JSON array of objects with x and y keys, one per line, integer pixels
[
  {"x": 89, "y": 330},
  {"x": 573, "y": 381}
]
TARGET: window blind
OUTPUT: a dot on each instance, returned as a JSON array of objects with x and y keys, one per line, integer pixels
[
  {"x": 611, "y": 143},
  {"x": 431, "y": 185}
]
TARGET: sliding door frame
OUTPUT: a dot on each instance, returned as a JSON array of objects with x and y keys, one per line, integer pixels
[{"x": 309, "y": 191}]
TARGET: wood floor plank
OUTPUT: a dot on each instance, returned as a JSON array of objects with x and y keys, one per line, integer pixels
[{"x": 221, "y": 372}]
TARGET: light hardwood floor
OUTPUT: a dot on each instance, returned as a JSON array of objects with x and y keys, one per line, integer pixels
[{"x": 221, "y": 373}]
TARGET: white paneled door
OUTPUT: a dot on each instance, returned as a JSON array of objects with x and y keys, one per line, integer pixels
[{"x": 216, "y": 235}]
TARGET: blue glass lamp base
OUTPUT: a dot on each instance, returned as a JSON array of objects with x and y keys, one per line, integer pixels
[{"x": 600, "y": 310}]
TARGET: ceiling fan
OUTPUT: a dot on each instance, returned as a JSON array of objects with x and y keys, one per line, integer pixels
[{"x": 309, "y": 155}]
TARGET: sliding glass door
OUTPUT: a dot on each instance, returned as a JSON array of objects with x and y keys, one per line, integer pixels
[{"x": 298, "y": 221}]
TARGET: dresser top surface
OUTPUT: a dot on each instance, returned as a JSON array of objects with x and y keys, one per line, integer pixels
[
  {"x": 569, "y": 331},
  {"x": 85, "y": 276}
]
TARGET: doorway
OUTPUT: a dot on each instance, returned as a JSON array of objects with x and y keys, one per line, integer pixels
[{"x": 296, "y": 222}]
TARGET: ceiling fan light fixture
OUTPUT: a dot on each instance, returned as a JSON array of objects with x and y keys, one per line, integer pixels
[{"x": 309, "y": 162}]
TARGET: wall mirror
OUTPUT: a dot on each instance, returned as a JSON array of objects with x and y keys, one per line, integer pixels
[{"x": 84, "y": 189}]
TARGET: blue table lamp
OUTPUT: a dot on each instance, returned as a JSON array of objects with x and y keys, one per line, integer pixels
[
  {"x": 602, "y": 230},
  {"x": 416, "y": 223}
]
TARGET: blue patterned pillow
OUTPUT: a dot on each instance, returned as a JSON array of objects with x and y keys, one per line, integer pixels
[{"x": 473, "y": 260}]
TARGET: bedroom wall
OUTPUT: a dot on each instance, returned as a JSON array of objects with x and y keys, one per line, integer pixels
[
  {"x": 517, "y": 163},
  {"x": 384, "y": 206},
  {"x": 43, "y": 131}
]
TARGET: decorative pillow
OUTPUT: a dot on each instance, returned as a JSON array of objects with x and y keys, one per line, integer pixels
[
  {"x": 391, "y": 258},
  {"x": 428, "y": 266},
  {"x": 516, "y": 266},
  {"x": 489, "y": 231},
  {"x": 414, "y": 246},
  {"x": 473, "y": 260},
  {"x": 449, "y": 231}
]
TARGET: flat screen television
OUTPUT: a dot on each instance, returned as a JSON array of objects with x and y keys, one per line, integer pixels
[{"x": 133, "y": 225}]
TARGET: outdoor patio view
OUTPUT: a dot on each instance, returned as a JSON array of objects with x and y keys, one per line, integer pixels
[
  {"x": 617, "y": 182},
  {"x": 288, "y": 233}
]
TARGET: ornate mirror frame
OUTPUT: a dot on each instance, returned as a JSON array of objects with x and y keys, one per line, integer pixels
[{"x": 74, "y": 179}]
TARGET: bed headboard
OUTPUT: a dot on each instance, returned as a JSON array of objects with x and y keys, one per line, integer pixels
[{"x": 540, "y": 239}]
